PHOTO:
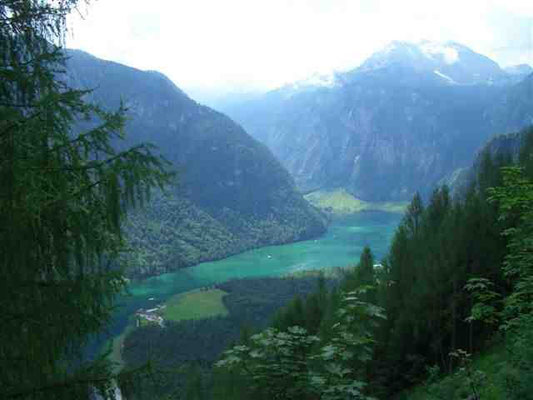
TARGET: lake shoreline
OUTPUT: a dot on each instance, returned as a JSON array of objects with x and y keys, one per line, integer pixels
[
  {"x": 340, "y": 246},
  {"x": 332, "y": 216}
]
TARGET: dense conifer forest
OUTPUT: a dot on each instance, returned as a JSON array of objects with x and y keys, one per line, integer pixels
[
  {"x": 457, "y": 279},
  {"x": 455, "y": 282}
]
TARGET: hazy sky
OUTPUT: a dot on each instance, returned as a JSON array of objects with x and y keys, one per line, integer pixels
[{"x": 240, "y": 44}]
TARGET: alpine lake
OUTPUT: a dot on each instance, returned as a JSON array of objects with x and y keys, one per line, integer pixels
[{"x": 340, "y": 246}]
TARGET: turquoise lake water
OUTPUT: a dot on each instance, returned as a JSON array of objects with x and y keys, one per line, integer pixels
[{"x": 341, "y": 245}]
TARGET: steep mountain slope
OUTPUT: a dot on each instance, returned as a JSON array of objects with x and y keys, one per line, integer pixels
[
  {"x": 232, "y": 193},
  {"x": 405, "y": 118},
  {"x": 514, "y": 109},
  {"x": 503, "y": 147}
]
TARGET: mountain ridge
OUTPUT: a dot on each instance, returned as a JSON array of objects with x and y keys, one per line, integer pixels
[
  {"x": 233, "y": 194},
  {"x": 391, "y": 126}
]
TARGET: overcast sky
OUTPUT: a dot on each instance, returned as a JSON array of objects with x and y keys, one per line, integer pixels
[{"x": 247, "y": 44}]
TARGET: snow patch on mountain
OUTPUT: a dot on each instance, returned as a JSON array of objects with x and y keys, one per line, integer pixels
[
  {"x": 449, "y": 54},
  {"x": 445, "y": 77},
  {"x": 432, "y": 55},
  {"x": 314, "y": 81},
  {"x": 392, "y": 46},
  {"x": 453, "y": 61},
  {"x": 327, "y": 80}
]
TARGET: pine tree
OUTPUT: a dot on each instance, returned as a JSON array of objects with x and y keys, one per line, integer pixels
[
  {"x": 413, "y": 215},
  {"x": 365, "y": 269},
  {"x": 63, "y": 193}
]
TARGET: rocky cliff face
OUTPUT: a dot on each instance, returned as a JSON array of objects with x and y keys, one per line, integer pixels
[
  {"x": 407, "y": 117},
  {"x": 513, "y": 109},
  {"x": 231, "y": 194}
]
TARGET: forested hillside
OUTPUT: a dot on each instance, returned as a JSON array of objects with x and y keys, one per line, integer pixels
[
  {"x": 184, "y": 351},
  {"x": 230, "y": 195},
  {"x": 456, "y": 280}
]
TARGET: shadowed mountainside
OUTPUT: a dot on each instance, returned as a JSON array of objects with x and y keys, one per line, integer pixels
[{"x": 231, "y": 194}]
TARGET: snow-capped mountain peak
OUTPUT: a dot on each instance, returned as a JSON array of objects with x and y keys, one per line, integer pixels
[
  {"x": 446, "y": 51},
  {"x": 451, "y": 62}
]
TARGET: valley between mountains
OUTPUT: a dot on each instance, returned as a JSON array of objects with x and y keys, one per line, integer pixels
[
  {"x": 230, "y": 193},
  {"x": 361, "y": 234},
  {"x": 357, "y": 145},
  {"x": 411, "y": 116}
]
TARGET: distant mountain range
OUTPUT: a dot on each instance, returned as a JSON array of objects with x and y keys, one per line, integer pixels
[
  {"x": 407, "y": 117},
  {"x": 231, "y": 194}
]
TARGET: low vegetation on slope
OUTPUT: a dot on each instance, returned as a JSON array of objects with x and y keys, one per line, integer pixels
[{"x": 485, "y": 374}]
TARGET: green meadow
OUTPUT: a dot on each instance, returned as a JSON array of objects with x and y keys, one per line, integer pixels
[
  {"x": 196, "y": 304},
  {"x": 339, "y": 201}
]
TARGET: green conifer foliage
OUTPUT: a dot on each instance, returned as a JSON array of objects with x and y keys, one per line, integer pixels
[{"x": 63, "y": 193}]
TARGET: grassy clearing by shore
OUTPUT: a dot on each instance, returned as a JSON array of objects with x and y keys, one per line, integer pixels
[
  {"x": 339, "y": 201},
  {"x": 196, "y": 304}
]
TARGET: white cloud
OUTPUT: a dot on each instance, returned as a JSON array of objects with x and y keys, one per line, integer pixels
[
  {"x": 518, "y": 7},
  {"x": 243, "y": 43}
]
